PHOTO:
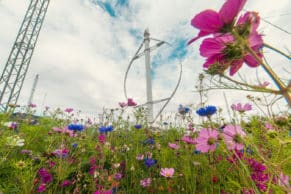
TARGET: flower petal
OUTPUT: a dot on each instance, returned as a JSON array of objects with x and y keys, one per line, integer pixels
[
  {"x": 230, "y": 9},
  {"x": 251, "y": 61},
  {"x": 200, "y": 34},
  {"x": 207, "y": 21},
  {"x": 235, "y": 66}
]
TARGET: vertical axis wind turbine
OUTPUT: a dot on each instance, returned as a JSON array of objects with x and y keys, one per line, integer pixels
[{"x": 14, "y": 72}]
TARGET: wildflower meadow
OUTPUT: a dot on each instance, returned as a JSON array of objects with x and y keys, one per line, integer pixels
[{"x": 199, "y": 151}]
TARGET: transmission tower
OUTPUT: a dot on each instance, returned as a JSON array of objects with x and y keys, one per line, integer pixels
[{"x": 14, "y": 72}]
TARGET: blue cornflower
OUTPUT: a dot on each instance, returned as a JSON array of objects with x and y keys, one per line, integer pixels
[
  {"x": 183, "y": 109},
  {"x": 74, "y": 145},
  {"x": 137, "y": 126},
  {"x": 149, "y": 162},
  {"x": 104, "y": 129},
  {"x": 249, "y": 150},
  {"x": 206, "y": 111},
  {"x": 196, "y": 152},
  {"x": 76, "y": 127},
  {"x": 149, "y": 141}
]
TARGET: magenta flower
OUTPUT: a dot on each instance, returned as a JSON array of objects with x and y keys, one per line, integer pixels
[
  {"x": 102, "y": 138},
  {"x": 66, "y": 183},
  {"x": 207, "y": 140},
  {"x": 46, "y": 177},
  {"x": 131, "y": 102},
  {"x": 210, "y": 21},
  {"x": 248, "y": 23},
  {"x": 146, "y": 182},
  {"x": 103, "y": 192},
  {"x": 238, "y": 107},
  {"x": 41, "y": 188},
  {"x": 173, "y": 146},
  {"x": 223, "y": 51},
  {"x": 167, "y": 172},
  {"x": 32, "y": 105},
  {"x": 233, "y": 137}
]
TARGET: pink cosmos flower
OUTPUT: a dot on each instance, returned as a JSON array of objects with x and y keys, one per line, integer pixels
[
  {"x": 210, "y": 21},
  {"x": 238, "y": 107},
  {"x": 189, "y": 140},
  {"x": 131, "y": 102},
  {"x": 173, "y": 146},
  {"x": 69, "y": 110},
  {"x": 248, "y": 23},
  {"x": 167, "y": 172},
  {"x": 233, "y": 137},
  {"x": 269, "y": 126},
  {"x": 225, "y": 52},
  {"x": 122, "y": 104},
  {"x": 65, "y": 130},
  {"x": 206, "y": 141},
  {"x": 145, "y": 182},
  {"x": 284, "y": 180},
  {"x": 264, "y": 84},
  {"x": 140, "y": 157}
]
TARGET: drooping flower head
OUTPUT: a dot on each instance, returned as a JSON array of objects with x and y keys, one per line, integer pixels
[
  {"x": 206, "y": 111},
  {"x": 210, "y": 21},
  {"x": 167, "y": 172},
  {"x": 207, "y": 140},
  {"x": 233, "y": 137}
]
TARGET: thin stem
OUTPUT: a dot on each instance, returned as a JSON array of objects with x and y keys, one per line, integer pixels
[
  {"x": 272, "y": 74},
  {"x": 252, "y": 86},
  {"x": 276, "y": 50}
]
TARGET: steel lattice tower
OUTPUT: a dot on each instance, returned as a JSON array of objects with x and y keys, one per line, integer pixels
[{"x": 14, "y": 72}]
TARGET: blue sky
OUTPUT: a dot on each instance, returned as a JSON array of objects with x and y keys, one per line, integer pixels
[{"x": 85, "y": 46}]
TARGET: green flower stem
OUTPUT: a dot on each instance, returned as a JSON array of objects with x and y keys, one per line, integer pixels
[
  {"x": 283, "y": 89},
  {"x": 276, "y": 50},
  {"x": 260, "y": 89}
]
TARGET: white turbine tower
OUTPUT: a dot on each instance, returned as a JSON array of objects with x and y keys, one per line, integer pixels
[{"x": 146, "y": 52}]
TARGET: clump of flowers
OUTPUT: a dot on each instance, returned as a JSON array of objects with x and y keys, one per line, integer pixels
[{"x": 207, "y": 140}]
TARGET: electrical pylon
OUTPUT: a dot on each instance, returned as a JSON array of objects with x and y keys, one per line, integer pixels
[{"x": 14, "y": 72}]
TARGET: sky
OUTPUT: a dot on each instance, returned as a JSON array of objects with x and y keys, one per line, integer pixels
[{"x": 85, "y": 46}]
